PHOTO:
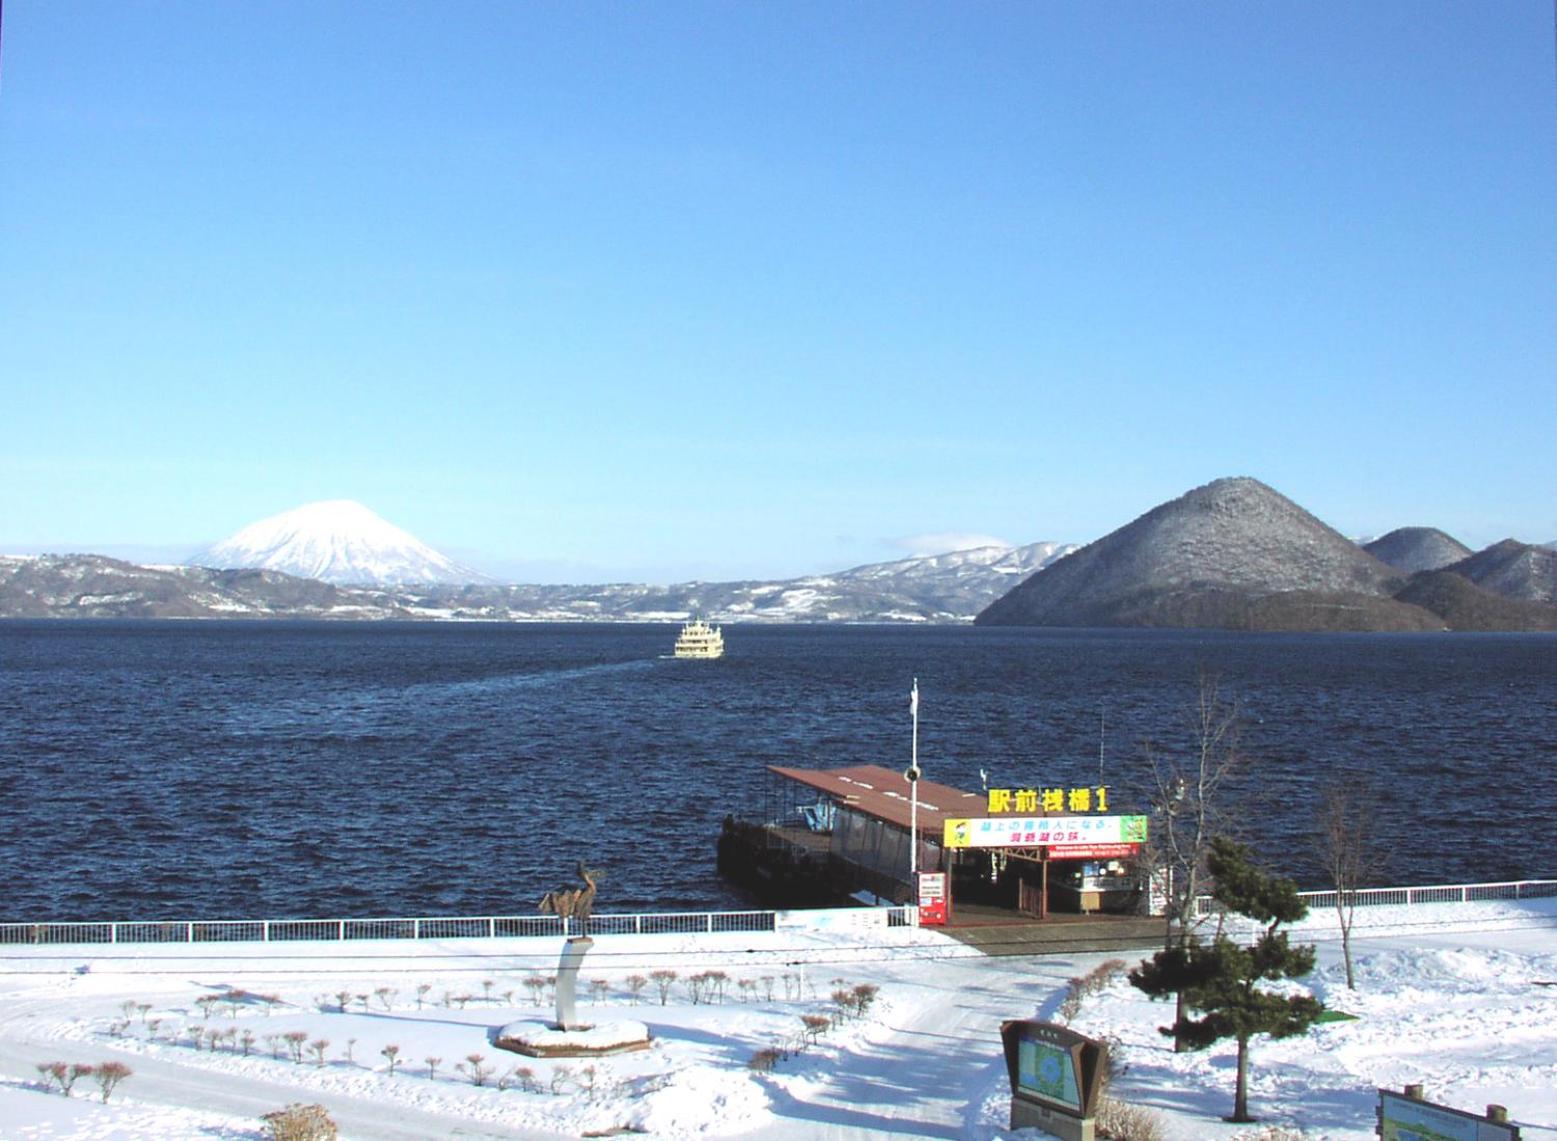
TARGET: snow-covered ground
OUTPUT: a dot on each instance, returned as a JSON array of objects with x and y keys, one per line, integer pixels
[{"x": 1456, "y": 997}]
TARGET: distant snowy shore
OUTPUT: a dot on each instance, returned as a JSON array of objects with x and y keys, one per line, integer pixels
[{"x": 1452, "y": 996}]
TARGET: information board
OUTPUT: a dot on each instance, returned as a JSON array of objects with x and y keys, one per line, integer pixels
[
  {"x": 932, "y": 899},
  {"x": 1404, "y": 1118}
]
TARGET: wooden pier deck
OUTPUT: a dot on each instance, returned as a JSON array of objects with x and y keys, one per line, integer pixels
[{"x": 998, "y": 932}]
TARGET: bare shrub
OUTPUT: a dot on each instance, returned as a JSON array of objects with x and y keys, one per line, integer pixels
[
  {"x": 476, "y": 1068},
  {"x": 1271, "y": 1133},
  {"x": 432, "y": 1068},
  {"x": 392, "y": 1053},
  {"x": 847, "y": 1001},
  {"x": 1070, "y": 1005},
  {"x": 663, "y": 978},
  {"x": 52, "y": 1072},
  {"x": 697, "y": 986},
  {"x": 816, "y": 1025},
  {"x": 74, "y": 1073},
  {"x": 109, "y": 1075},
  {"x": 635, "y": 985},
  {"x": 298, "y": 1122},
  {"x": 865, "y": 996},
  {"x": 1120, "y": 1121},
  {"x": 1095, "y": 981},
  {"x": 319, "y": 1046},
  {"x": 763, "y": 1060},
  {"x": 1099, "y": 977}
]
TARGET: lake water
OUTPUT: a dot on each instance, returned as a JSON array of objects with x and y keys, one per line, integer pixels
[{"x": 218, "y": 770}]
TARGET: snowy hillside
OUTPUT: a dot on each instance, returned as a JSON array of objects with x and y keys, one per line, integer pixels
[{"x": 337, "y": 541}]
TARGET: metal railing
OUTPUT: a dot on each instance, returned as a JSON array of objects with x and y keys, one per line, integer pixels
[
  {"x": 343, "y": 930},
  {"x": 1410, "y": 896}
]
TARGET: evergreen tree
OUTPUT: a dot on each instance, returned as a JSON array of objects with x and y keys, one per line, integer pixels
[{"x": 1220, "y": 981}]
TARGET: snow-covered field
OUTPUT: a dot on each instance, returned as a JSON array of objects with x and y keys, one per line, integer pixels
[{"x": 1456, "y": 997}]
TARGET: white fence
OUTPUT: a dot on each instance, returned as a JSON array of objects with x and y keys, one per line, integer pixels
[
  {"x": 1407, "y": 896},
  {"x": 491, "y": 927},
  {"x": 648, "y": 923}
]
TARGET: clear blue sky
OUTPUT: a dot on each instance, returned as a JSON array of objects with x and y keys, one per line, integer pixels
[{"x": 680, "y": 290}]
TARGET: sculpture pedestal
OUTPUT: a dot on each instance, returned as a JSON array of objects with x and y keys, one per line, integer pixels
[
  {"x": 538, "y": 1040},
  {"x": 573, "y": 952}
]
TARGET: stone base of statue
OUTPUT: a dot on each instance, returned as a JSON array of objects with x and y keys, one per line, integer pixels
[{"x": 543, "y": 1040}]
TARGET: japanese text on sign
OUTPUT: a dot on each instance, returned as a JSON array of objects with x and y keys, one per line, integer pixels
[
  {"x": 1044, "y": 831},
  {"x": 1093, "y": 799}
]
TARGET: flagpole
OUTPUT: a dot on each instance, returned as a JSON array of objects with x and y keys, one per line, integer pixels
[{"x": 913, "y": 790}]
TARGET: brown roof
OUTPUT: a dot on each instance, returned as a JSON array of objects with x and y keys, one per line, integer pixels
[{"x": 884, "y": 793}]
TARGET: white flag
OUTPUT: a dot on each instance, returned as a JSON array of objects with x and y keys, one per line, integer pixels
[{"x": 913, "y": 700}]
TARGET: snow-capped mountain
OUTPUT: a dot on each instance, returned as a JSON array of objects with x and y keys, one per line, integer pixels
[{"x": 338, "y": 541}]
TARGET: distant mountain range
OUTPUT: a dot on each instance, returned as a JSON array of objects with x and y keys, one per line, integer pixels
[
  {"x": 938, "y": 588},
  {"x": 1233, "y": 554},
  {"x": 1236, "y": 554}
]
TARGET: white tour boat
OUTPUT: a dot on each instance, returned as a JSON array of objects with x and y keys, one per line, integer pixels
[{"x": 699, "y": 640}]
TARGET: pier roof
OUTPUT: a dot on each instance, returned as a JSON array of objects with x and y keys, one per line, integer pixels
[{"x": 884, "y": 794}]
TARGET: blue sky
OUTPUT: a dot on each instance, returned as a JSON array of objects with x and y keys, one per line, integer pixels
[{"x": 680, "y": 290}]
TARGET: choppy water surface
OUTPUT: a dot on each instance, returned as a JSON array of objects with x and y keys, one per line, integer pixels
[{"x": 233, "y": 770}]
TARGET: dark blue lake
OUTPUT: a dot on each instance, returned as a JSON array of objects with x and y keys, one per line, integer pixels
[{"x": 251, "y": 769}]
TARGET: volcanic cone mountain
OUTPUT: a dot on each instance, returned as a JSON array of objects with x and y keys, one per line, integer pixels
[
  {"x": 337, "y": 541},
  {"x": 1413, "y": 549},
  {"x": 1514, "y": 570},
  {"x": 1234, "y": 554}
]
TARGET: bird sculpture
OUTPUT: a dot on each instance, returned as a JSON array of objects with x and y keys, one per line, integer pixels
[{"x": 572, "y": 902}]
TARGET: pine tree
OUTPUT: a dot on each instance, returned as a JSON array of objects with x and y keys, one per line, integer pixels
[{"x": 1220, "y": 980}]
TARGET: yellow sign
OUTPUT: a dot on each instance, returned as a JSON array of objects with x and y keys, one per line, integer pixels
[{"x": 1094, "y": 799}]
